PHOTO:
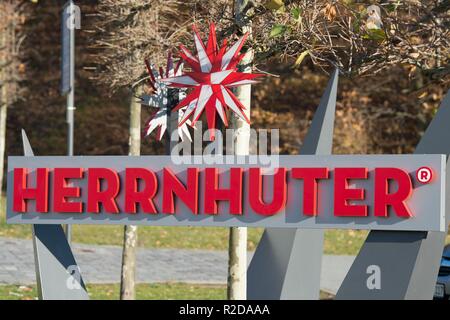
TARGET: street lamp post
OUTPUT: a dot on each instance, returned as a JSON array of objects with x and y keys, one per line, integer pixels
[{"x": 70, "y": 21}]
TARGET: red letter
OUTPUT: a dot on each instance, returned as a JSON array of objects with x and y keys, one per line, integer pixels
[
  {"x": 342, "y": 194},
  {"x": 310, "y": 193},
  {"x": 233, "y": 195},
  {"x": 97, "y": 196},
  {"x": 61, "y": 191},
  {"x": 144, "y": 197},
  {"x": 22, "y": 192},
  {"x": 188, "y": 194},
  {"x": 256, "y": 192},
  {"x": 383, "y": 198}
]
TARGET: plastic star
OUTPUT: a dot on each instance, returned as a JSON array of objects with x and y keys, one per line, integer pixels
[
  {"x": 212, "y": 77},
  {"x": 161, "y": 100}
]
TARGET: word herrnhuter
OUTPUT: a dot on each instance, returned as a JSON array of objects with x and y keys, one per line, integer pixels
[{"x": 140, "y": 186}]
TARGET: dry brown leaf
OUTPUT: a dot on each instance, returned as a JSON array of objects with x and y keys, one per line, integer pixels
[{"x": 329, "y": 11}]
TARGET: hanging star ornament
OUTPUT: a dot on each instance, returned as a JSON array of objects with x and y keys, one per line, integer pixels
[
  {"x": 213, "y": 74},
  {"x": 162, "y": 99}
]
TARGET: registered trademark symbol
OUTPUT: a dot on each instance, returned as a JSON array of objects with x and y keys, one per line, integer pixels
[{"x": 424, "y": 174}]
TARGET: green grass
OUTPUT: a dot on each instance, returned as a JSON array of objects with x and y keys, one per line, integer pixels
[
  {"x": 344, "y": 241},
  {"x": 159, "y": 291},
  {"x": 209, "y": 238}
]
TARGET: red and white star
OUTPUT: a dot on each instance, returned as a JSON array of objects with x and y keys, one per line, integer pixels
[
  {"x": 214, "y": 73},
  {"x": 159, "y": 99}
]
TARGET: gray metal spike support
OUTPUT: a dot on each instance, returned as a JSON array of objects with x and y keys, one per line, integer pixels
[
  {"x": 287, "y": 262},
  {"x": 407, "y": 263},
  {"x": 58, "y": 276}
]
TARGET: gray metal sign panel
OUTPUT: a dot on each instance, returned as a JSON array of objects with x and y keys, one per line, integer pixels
[
  {"x": 296, "y": 272},
  {"x": 426, "y": 202},
  {"x": 405, "y": 264},
  {"x": 58, "y": 276}
]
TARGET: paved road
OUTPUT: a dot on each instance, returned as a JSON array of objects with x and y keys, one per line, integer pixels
[{"x": 101, "y": 264}]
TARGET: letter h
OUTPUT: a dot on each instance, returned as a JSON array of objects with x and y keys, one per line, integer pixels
[{"x": 23, "y": 193}]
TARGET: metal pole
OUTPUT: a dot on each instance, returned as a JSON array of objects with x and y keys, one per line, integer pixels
[{"x": 71, "y": 99}]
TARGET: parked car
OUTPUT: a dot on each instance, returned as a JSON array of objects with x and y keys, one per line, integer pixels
[{"x": 442, "y": 290}]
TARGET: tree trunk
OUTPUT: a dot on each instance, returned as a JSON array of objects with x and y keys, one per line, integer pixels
[
  {"x": 3, "y": 116},
  {"x": 237, "y": 249},
  {"x": 3, "y": 104},
  {"x": 128, "y": 277}
]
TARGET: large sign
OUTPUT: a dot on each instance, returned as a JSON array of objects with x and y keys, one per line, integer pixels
[{"x": 385, "y": 192}]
